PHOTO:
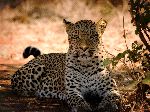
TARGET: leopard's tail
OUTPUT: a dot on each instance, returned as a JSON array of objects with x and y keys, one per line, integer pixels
[{"x": 31, "y": 51}]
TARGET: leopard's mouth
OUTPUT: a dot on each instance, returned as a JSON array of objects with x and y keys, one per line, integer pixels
[
  {"x": 89, "y": 53},
  {"x": 84, "y": 56}
]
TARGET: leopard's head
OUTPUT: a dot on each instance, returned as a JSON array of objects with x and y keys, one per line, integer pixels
[{"x": 85, "y": 36}]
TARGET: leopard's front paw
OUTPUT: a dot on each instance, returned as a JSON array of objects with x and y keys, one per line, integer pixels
[
  {"x": 85, "y": 106},
  {"x": 109, "y": 107}
]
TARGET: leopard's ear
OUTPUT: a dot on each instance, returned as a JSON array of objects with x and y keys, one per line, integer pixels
[
  {"x": 101, "y": 26},
  {"x": 67, "y": 24}
]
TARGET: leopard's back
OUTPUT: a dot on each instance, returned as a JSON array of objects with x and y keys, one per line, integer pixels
[{"x": 28, "y": 78}]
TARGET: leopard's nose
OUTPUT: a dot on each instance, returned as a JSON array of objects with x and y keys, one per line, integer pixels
[{"x": 84, "y": 48}]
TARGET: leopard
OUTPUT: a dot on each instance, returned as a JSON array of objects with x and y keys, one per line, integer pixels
[
  {"x": 86, "y": 76},
  {"x": 89, "y": 86},
  {"x": 78, "y": 77}
]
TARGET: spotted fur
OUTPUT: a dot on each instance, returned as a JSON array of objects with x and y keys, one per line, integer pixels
[{"x": 27, "y": 80}]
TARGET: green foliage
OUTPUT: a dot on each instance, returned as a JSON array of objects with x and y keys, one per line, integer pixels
[
  {"x": 146, "y": 80},
  {"x": 140, "y": 13},
  {"x": 135, "y": 54},
  {"x": 146, "y": 62},
  {"x": 107, "y": 61}
]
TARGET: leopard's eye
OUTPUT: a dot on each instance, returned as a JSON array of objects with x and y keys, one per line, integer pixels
[
  {"x": 94, "y": 36},
  {"x": 75, "y": 37},
  {"x": 77, "y": 26},
  {"x": 91, "y": 37}
]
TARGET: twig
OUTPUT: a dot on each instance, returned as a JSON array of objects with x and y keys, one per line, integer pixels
[
  {"x": 144, "y": 40},
  {"x": 146, "y": 34},
  {"x": 124, "y": 34}
]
